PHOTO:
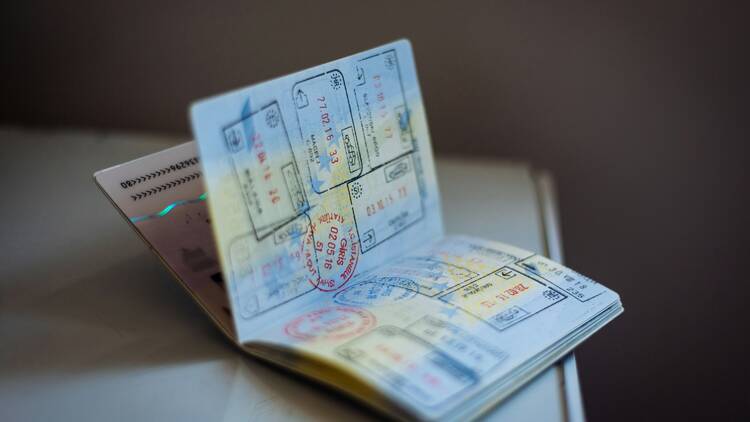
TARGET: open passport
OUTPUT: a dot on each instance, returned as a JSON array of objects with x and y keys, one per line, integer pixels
[{"x": 305, "y": 221}]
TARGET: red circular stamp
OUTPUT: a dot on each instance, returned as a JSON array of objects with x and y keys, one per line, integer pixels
[
  {"x": 330, "y": 251},
  {"x": 331, "y": 323}
]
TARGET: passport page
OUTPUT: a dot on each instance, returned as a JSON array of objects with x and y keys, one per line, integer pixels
[
  {"x": 315, "y": 177},
  {"x": 162, "y": 196},
  {"x": 448, "y": 329}
]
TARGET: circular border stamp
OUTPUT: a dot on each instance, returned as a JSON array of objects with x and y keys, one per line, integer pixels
[
  {"x": 331, "y": 323},
  {"x": 378, "y": 291},
  {"x": 329, "y": 251}
]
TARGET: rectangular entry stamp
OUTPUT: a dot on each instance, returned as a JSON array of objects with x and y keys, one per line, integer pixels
[
  {"x": 431, "y": 276},
  {"x": 467, "y": 348},
  {"x": 411, "y": 366},
  {"x": 385, "y": 201},
  {"x": 382, "y": 109},
  {"x": 327, "y": 129},
  {"x": 504, "y": 298},
  {"x": 264, "y": 166},
  {"x": 577, "y": 285}
]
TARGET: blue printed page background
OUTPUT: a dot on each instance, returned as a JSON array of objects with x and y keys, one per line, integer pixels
[{"x": 315, "y": 177}]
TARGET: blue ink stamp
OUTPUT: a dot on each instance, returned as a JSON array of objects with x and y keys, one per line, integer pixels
[{"x": 378, "y": 291}]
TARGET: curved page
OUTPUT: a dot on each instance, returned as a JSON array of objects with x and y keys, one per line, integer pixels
[{"x": 315, "y": 177}]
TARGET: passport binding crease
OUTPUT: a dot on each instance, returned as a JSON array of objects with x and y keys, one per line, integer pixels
[{"x": 325, "y": 251}]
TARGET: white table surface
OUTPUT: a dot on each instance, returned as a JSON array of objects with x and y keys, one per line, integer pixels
[{"x": 94, "y": 328}]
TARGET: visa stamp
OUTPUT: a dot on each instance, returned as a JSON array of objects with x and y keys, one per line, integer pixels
[
  {"x": 386, "y": 201},
  {"x": 378, "y": 291},
  {"x": 413, "y": 367},
  {"x": 261, "y": 153},
  {"x": 330, "y": 251},
  {"x": 331, "y": 323},
  {"x": 504, "y": 298},
  {"x": 381, "y": 105},
  {"x": 577, "y": 285},
  {"x": 432, "y": 276},
  {"x": 262, "y": 281},
  {"x": 469, "y": 349},
  {"x": 327, "y": 128}
]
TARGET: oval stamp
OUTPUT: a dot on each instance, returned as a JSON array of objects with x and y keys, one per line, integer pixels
[
  {"x": 378, "y": 291},
  {"x": 331, "y": 323},
  {"x": 330, "y": 251}
]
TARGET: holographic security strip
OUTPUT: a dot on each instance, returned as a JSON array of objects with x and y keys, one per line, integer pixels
[{"x": 167, "y": 209}]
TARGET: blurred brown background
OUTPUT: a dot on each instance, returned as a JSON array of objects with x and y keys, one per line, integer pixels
[{"x": 638, "y": 108}]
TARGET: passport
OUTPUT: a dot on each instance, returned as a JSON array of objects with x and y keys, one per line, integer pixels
[{"x": 305, "y": 220}]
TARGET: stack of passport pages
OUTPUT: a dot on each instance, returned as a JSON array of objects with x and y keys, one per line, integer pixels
[{"x": 305, "y": 221}]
